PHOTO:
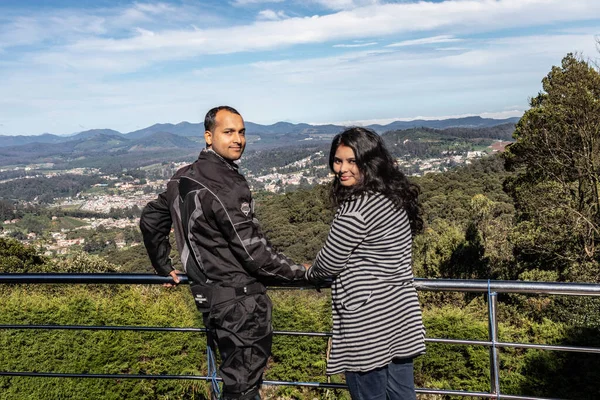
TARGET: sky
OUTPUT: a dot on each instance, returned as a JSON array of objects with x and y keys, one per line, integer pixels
[{"x": 71, "y": 65}]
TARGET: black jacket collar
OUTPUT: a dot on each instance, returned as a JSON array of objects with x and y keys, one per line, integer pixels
[{"x": 229, "y": 164}]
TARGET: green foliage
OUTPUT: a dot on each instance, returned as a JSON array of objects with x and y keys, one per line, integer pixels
[
  {"x": 428, "y": 142},
  {"x": 44, "y": 190},
  {"x": 448, "y": 366},
  {"x": 449, "y": 195},
  {"x": 132, "y": 260},
  {"x": 102, "y": 352},
  {"x": 557, "y": 186},
  {"x": 66, "y": 223},
  {"x": 124, "y": 352},
  {"x": 18, "y": 258},
  {"x": 7, "y": 210},
  {"x": 82, "y": 262},
  {"x": 296, "y": 223},
  {"x": 299, "y": 358},
  {"x": 433, "y": 249},
  {"x": 34, "y": 223},
  {"x": 261, "y": 162},
  {"x": 528, "y": 372}
]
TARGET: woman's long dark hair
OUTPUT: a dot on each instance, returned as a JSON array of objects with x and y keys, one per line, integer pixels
[{"x": 379, "y": 173}]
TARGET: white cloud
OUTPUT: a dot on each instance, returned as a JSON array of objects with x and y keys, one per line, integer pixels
[
  {"x": 154, "y": 8},
  {"x": 355, "y": 45},
  {"x": 85, "y": 70},
  {"x": 52, "y": 28},
  {"x": 427, "y": 40},
  {"x": 246, "y": 2},
  {"x": 361, "y": 23},
  {"x": 451, "y": 49},
  {"x": 345, "y": 4},
  {"x": 271, "y": 15}
]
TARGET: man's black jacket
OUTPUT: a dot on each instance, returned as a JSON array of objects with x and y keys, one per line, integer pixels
[{"x": 219, "y": 241}]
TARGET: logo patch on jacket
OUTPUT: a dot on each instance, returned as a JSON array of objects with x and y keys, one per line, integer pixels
[{"x": 245, "y": 208}]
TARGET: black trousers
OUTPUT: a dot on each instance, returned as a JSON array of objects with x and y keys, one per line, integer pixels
[{"x": 243, "y": 333}]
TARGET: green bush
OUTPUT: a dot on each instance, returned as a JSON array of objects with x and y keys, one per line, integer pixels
[{"x": 100, "y": 352}]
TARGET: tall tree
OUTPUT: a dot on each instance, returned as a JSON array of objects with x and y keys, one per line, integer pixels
[{"x": 556, "y": 187}]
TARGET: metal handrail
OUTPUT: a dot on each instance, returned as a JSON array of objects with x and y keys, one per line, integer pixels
[
  {"x": 449, "y": 285},
  {"x": 491, "y": 287}
]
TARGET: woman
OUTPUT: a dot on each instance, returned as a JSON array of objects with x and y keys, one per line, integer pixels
[{"x": 377, "y": 323}]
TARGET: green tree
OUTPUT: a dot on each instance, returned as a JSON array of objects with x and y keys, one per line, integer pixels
[
  {"x": 556, "y": 188},
  {"x": 490, "y": 226},
  {"x": 37, "y": 224},
  {"x": 18, "y": 258},
  {"x": 6, "y": 210}
]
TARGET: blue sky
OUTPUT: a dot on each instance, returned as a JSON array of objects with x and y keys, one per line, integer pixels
[{"x": 68, "y": 66}]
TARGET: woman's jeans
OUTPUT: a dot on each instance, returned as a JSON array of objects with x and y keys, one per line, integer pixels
[{"x": 393, "y": 382}]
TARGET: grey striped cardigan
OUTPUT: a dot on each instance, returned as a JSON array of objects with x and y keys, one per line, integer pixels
[{"x": 376, "y": 312}]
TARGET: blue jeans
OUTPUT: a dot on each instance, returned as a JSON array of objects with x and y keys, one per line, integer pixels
[{"x": 395, "y": 381}]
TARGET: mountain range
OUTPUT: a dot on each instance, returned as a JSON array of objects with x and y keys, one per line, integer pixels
[{"x": 263, "y": 135}]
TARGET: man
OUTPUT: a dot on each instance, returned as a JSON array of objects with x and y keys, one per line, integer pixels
[{"x": 222, "y": 251}]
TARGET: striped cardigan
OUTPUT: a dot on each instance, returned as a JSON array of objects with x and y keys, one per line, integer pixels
[{"x": 376, "y": 312}]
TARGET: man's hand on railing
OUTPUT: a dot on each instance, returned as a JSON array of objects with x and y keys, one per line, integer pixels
[{"x": 174, "y": 274}]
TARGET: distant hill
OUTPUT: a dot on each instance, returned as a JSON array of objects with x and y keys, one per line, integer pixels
[
  {"x": 498, "y": 132},
  {"x": 10, "y": 141},
  {"x": 466, "y": 122},
  {"x": 105, "y": 147},
  {"x": 94, "y": 132},
  {"x": 6, "y": 141},
  {"x": 180, "y": 129},
  {"x": 98, "y": 142},
  {"x": 268, "y": 132},
  {"x": 162, "y": 140}
]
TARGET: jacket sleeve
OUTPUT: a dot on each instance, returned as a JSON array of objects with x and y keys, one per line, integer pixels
[
  {"x": 346, "y": 234},
  {"x": 248, "y": 244},
  {"x": 155, "y": 224}
]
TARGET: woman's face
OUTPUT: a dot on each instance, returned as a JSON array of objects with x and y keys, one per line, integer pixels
[{"x": 344, "y": 166}]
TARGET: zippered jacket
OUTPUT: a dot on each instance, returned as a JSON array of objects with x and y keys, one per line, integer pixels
[{"x": 220, "y": 242}]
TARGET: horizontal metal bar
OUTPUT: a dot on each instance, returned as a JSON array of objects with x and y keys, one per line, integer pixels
[
  {"x": 474, "y": 285},
  {"x": 515, "y": 397},
  {"x": 457, "y": 393},
  {"x": 105, "y": 328},
  {"x": 324, "y": 385},
  {"x": 111, "y": 278},
  {"x": 92, "y": 278},
  {"x": 460, "y": 341},
  {"x": 459, "y": 285},
  {"x": 146, "y": 329},
  {"x": 102, "y": 376},
  {"x": 577, "y": 349},
  {"x": 309, "y": 334}
]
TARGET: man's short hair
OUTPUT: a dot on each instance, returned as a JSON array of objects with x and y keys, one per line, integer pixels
[{"x": 209, "y": 120}]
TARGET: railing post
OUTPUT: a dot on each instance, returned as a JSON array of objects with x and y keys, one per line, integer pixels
[{"x": 493, "y": 336}]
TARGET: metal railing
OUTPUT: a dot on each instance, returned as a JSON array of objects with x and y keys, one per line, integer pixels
[{"x": 492, "y": 288}]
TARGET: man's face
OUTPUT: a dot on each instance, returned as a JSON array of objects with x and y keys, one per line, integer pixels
[{"x": 228, "y": 138}]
